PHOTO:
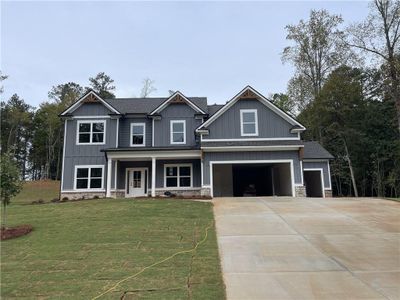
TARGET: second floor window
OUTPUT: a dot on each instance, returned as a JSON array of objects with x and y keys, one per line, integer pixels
[
  {"x": 178, "y": 132},
  {"x": 138, "y": 134},
  {"x": 248, "y": 122},
  {"x": 91, "y": 132}
]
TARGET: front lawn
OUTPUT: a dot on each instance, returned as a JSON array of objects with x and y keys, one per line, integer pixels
[{"x": 78, "y": 250}]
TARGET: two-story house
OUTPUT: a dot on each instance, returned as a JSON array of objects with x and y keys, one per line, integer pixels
[{"x": 181, "y": 145}]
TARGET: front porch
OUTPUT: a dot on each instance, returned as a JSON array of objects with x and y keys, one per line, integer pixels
[{"x": 155, "y": 173}]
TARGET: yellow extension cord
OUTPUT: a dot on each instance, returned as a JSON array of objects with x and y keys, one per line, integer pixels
[{"x": 156, "y": 263}]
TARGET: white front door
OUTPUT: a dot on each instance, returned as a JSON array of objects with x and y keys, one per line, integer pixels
[{"x": 137, "y": 183}]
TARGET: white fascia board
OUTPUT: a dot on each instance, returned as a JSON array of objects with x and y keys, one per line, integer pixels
[
  {"x": 78, "y": 103},
  {"x": 250, "y": 148},
  {"x": 166, "y": 102},
  {"x": 252, "y": 139},
  {"x": 264, "y": 100},
  {"x": 155, "y": 154}
]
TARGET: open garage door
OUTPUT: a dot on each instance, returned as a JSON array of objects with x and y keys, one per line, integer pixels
[
  {"x": 314, "y": 183},
  {"x": 249, "y": 179}
]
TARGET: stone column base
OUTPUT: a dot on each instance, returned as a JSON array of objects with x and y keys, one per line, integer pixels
[
  {"x": 300, "y": 191},
  {"x": 328, "y": 193}
]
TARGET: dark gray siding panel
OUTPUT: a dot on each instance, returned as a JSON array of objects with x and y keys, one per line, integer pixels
[
  {"x": 319, "y": 165},
  {"x": 92, "y": 109},
  {"x": 195, "y": 165},
  {"x": 71, "y": 162},
  {"x": 270, "y": 125},
  {"x": 175, "y": 112},
  {"x": 85, "y": 154},
  {"x": 125, "y": 130},
  {"x": 234, "y": 156}
]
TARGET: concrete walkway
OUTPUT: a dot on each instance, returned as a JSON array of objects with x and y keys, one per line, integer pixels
[{"x": 295, "y": 248}]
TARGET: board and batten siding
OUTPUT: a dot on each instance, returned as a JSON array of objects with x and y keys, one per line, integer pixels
[
  {"x": 174, "y": 111},
  {"x": 270, "y": 125},
  {"x": 319, "y": 165},
  {"x": 85, "y": 154},
  {"x": 251, "y": 155},
  {"x": 125, "y": 131}
]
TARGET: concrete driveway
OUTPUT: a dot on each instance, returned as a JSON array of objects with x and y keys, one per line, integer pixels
[{"x": 296, "y": 248}]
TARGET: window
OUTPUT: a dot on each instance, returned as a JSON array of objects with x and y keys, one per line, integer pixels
[
  {"x": 178, "y": 175},
  {"x": 178, "y": 132},
  {"x": 138, "y": 134},
  {"x": 88, "y": 177},
  {"x": 248, "y": 122},
  {"x": 91, "y": 132}
]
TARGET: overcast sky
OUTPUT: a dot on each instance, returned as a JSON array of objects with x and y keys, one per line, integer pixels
[{"x": 208, "y": 49}]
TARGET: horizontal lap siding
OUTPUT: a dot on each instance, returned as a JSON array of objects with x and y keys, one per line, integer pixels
[
  {"x": 319, "y": 165},
  {"x": 175, "y": 112},
  {"x": 270, "y": 125},
  {"x": 250, "y": 155}
]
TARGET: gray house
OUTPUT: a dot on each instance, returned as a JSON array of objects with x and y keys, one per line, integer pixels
[{"x": 181, "y": 145}]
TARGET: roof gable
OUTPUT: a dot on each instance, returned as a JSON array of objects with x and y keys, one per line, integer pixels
[
  {"x": 89, "y": 97},
  {"x": 177, "y": 97},
  {"x": 249, "y": 93}
]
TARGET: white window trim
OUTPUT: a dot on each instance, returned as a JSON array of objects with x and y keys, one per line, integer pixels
[
  {"x": 89, "y": 167},
  {"x": 144, "y": 135},
  {"x": 91, "y": 131},
  {"x": 242, "y": 111},
  {"x": 177, "y": 176},
  {"x": 172, "y": 122}
]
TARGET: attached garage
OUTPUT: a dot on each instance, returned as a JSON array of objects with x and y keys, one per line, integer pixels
[
  {"x": 314, "y": 182},
  {"x": 245, "y": 179}
]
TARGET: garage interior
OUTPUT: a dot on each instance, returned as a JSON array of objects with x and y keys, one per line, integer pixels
[
  {"x": 313, "y": 183},
  {"x": 249, "y": 180}
]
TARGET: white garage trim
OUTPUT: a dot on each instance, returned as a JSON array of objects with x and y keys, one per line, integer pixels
[
  {"x": 232, "y": 162},
  {"x": 322, "y": 178}
]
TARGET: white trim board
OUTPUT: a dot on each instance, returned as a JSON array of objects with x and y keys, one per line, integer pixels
[
  {"x": 156, "y": 154},
  {"x": 262, "y": 99},
  {"x": 171, "y": 132},
  {"x": 252, "y": 139},
  {"x": 242, "y": 122},
  {"x": 78, "y": 103},
  {"x": 143, "y": 125},
  {"x": 89, "y": 167},
  {"x": 251, "y": 148},
  {"x": 272, "y": 161},
  {"x": 322, "y": 178},
  {"x": 91, "y": 132},
  {"x": 178, "y": 165}
]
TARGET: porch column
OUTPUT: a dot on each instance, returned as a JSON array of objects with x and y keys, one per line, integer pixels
[
  {"x": 153, "y": 176},
  {"x": 109, "y": 169}
]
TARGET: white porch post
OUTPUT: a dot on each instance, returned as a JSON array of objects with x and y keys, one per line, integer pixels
[
  {"x": 153, "y": 176},
  {"x": 108, "y": 188}
]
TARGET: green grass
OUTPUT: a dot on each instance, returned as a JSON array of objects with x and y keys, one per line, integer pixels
[
  {"x": 393, "y": 199},
  {"x": 80, "y": 249},
  {"x": 35, "y": 190}
]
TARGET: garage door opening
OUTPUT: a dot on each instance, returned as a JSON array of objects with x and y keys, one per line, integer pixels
[
  {"x": 248, "y": 180},
  {"x": 313, "y": 182}
]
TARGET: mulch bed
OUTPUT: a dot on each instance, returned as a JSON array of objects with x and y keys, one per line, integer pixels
[{"x": 13, "y": 232}]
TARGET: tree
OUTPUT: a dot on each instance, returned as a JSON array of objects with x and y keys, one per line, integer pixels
[
  {"x": 2, "y": 78},
  {"x": 148, "y": 88},
  {"x": 11, "y": 183},
  {"x": 16, "y": 130},
  {"x": 318, "y": 48},
  {"x": 379, "y": 34},
  {"x": 283, "y": 102},
  {"x": 102, "y": 84},
  {"x": 66, "y": 93}
]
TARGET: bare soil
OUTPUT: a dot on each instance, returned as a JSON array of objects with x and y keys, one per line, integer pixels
[{"x": 13, "y": 232}]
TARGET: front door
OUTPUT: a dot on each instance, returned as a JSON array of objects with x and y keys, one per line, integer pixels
[{"x": 137, "y": 183}]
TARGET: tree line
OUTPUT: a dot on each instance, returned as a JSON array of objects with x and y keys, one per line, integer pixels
[
  {"x": 33, "y": 137},
  {"x": 345, "y": 90}
]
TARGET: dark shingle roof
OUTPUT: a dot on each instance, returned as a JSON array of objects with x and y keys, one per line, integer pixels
[
  {"x": 212, "y": 109},
  {"x": 147, "y": 105},
  {"x": 313, "y": 150}
]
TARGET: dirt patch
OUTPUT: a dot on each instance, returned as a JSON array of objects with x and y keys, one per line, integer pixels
[{"x": 13, "y": 232}]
